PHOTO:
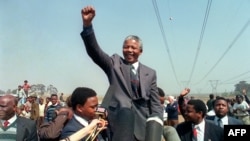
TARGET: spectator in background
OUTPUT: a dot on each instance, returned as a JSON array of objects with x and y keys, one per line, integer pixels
[
  {"x": 24, "y": 111},
  {"x": 210, "y": 102},
  {"x": 172, "y": 110},
  {"x": 169, "y": 132},
  {"x": 51, "y": 131},
  {"x": 182, "y": 101},
  {"x": 34, "y": 112},
  {"x": 26, "y": 88},
  {"x": 240, "y": 109},
  {"x": 41, "y": 111},
  {"x": 61, "y": 97},
  {"x": 221, "y": 118},
  {"x": 51, "y": 110},
  {"x": 21, "y": 95},
  {"x": 28, "y": 103}
]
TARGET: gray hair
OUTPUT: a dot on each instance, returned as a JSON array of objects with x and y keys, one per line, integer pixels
[{"x": 136, "y": 38}]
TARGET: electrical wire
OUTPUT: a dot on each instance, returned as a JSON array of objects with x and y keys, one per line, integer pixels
[
  {"x": 200, "y": 40},
  {"x": 165, "y": 39},
  {"x": 229, "y": 47}
]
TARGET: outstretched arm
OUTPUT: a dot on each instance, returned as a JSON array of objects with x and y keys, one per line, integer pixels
[{"x": 181, "y": 101}]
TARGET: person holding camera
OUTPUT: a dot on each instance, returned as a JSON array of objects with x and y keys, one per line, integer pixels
[{"x": 84, "y": 103}]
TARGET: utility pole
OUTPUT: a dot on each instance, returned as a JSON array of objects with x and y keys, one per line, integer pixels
[{"x": 214, "y": 84}]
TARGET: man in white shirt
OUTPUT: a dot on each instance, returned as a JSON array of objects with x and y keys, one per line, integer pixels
[
  {"x": 221, "y": 117},
  {"x": 240, "y": 109},
  {"x": 195, "y": 113},
  {"x": 84, "y": 104}
]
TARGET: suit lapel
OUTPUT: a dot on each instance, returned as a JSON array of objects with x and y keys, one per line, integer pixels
[
  {"x": 142, "y": 78},
  {"x": 123, "y": 72},
  {"x": 207, "y": 131}
]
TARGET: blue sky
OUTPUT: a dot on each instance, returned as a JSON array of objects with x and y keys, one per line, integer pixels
[{"x": 40, "y": 41}]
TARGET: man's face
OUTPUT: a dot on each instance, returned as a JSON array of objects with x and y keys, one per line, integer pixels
[
  {"x": 221, "y": 108},
  {"x": 191, "y": 114},
  {"x": 54, "y": 100},
  {"x": 7, "y": 108},
  {"x": 131, "y": 51},
  {"x": 89, "y": 108}
]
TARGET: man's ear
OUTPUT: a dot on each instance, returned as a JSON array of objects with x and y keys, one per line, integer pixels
[{"x": 79, "y": 108}]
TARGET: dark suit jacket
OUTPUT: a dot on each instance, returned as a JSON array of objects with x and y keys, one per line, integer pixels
[
  {"x": 119, "y": 94},
  {"x": 231, "y": 120},
  {"x": 212, "y": 131},
  {"x": 70, "y": 128},
  {"x": 26, "y": 130}
]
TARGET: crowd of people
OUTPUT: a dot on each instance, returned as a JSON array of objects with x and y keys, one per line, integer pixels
[{"x": 133, "y": 109}]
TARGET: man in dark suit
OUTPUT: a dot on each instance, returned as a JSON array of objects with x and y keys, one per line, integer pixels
[
  {"x": 221, "y": 118},
  {"x": 84, "y": 103},
  {"x": 15, "y": 127},
  {"x": 125, "y": 102},
  {"x": 194, "y": 121}
]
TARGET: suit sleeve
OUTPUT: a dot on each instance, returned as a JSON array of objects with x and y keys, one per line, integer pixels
[
  {"x": 93, "y": 49},
  {"x": 156, "y": 107},
  {"x": 52, "y": 130}
]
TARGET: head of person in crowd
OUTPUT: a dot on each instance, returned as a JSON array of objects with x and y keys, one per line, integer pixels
[
  {"x": 54, "y": 99},
  {"x": 132, "y": 48},
  {"x": 19, "y": 87},
  {"x": 47, "y": 99},
  {"x": 68, "y": 101},
  {"x": 25, "y": 81},
  {"x": 162, "y": 95},
  {"x": 33, "y": 98},
  {"x": 211, "y": 96},
  {"x": 171, "y": 99},
  {"x": 8, "y": 106},
  {"x": 41, "y": 100},
  {"x": 239, "y": 98},
  {"x": 84, "y": 102},
  {"x": 221, "y": 107},
  {"x": 195, "y": 111}
]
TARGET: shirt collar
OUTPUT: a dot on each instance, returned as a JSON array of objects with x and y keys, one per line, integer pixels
[
  {"x": 200, "y": 126},
  {"x": 223, "y": 119},
  {"x": 83, "y": 121},
  {"x": 135, "y": 65},
  {"x": 11, "y": 120}
]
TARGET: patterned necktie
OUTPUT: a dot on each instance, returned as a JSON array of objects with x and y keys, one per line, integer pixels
[
  {"x": 6, "y": 123},
  {"x": 195, "y": 134},
  {"x": 134, "y": 81}
]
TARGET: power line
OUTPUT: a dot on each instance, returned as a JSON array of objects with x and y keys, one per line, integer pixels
[
  {"x": 235, "y": 77},
  {"x": 164, "y": 39},
  {"x": 201, "y": 38},
  {"x": 229, "y": 47}
]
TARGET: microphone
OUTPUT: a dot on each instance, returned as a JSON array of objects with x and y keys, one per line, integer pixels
[{"x": 154, "y": 129}]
